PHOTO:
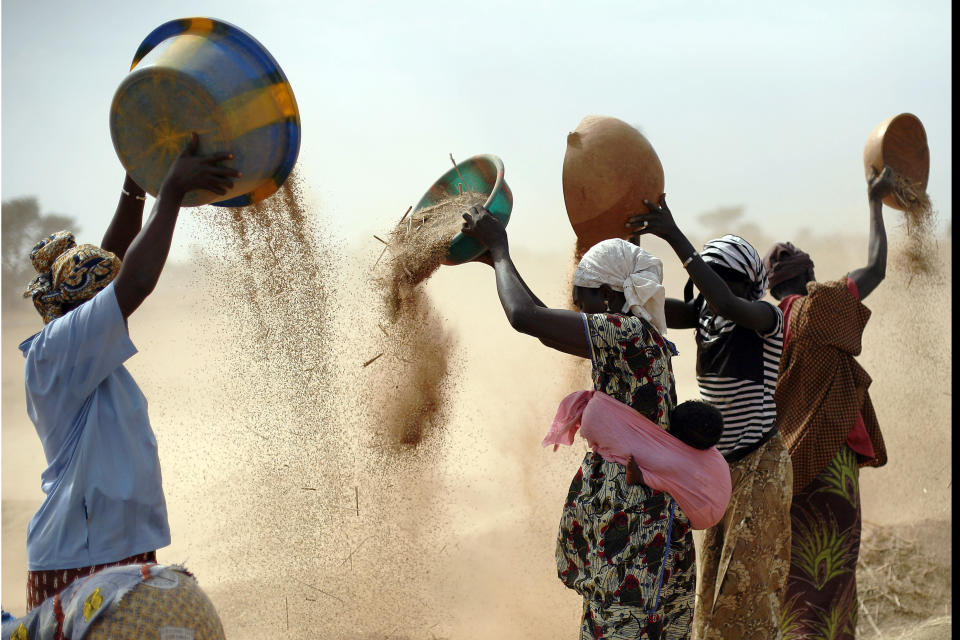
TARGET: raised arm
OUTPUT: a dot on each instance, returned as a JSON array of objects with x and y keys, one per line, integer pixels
[
  {"x": 148, "y": 252},
  {"x": 755, "y": 315},
  {"x": 680, "y": 314},
  {"x": 486, "y": 258},
  {"x": 127, "y": 219},
  {"x": 868, "y": 277},
  {"x": 558, "y": 328},
  {"x": 677, "y": 313}
]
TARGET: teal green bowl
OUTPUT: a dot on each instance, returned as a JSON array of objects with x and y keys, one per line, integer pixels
[{"x": 482, "y": 174}]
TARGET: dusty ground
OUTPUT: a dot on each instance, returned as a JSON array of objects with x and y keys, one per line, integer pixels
[
  {"x": 904, "y": 580},
  {"x": 301, "y": 524}
]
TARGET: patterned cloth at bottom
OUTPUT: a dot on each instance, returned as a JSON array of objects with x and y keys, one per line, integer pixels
[{"x": 147, "y": 601}]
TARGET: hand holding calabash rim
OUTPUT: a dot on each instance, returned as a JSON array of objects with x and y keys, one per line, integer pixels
[
  {"x": 659, "y": 221},
  {"x": 880, "y": 185}
]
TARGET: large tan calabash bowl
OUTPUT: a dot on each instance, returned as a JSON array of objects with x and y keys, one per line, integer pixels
[
  {"x": 609, "y": 169},
  {"x": 900, "y": 143}
]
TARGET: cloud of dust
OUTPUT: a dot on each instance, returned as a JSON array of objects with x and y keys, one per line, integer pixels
[
  {"x": 356, "y": 532},
  {"x": 412, "y": 374},
  {"x": 413, "y": 380}
]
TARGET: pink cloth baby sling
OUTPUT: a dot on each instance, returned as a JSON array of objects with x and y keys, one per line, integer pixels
[{"x": 698, "y": 479}]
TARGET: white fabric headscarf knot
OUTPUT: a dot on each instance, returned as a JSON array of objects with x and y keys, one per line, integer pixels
[{"x": 625, "y": 267}]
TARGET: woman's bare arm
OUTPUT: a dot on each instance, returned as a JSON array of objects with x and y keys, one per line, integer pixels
[
  {"x": 148, "y": 252},
  {"x": 680, "y": 314},
  {"x": 560, "y": 329},
  {"x": 871, "y": 275},
  {"x": 126, "y": 221},
  {"x": 751, "y": 314}
]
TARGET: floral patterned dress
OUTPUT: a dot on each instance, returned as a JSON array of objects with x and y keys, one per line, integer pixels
[{"x": 627, "y": 549}]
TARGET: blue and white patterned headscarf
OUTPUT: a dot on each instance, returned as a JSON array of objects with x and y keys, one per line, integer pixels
[{"x": 68, "y": 273}]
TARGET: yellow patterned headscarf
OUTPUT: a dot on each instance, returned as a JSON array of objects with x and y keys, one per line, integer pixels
[{"x": 68, "y": 273}]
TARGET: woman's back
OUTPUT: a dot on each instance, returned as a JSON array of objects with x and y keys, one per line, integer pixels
[
  {"x": 737, "y": 373},
  {"x": 643, "y": 584}
]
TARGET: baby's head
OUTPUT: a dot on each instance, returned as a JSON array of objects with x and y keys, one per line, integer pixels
[{"x": 696, "y": 423}]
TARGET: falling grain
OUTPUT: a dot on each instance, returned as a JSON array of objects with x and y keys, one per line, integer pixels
[
  {"x": 919, "y": 219},
  {"x": 420, "y": 252},
  {"x": 417, "y": 381}
]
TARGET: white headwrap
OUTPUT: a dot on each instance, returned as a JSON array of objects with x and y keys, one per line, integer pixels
[{"x": 626, "y": 267}]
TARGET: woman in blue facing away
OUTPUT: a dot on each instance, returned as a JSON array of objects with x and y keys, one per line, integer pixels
[{"x": 104, "y": 502}]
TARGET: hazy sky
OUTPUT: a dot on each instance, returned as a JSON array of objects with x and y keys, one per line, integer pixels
[{"x": 760, "y": 104}]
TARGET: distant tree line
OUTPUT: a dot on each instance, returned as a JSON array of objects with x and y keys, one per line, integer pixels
[{"x": 21, "y": 226}]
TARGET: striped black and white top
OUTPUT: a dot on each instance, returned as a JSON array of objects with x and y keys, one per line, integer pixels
[{"x": 737, "y": 374}]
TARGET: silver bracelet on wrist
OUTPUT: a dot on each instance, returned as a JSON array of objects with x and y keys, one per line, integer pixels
[
  {"x": 127, "y": 193},
  {"x": 690, "y": 259}
]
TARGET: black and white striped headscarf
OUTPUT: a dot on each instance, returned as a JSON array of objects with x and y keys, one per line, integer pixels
[{"x": 734, "y": 253}]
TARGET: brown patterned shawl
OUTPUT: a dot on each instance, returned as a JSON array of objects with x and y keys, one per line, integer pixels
[{"x": 821, "y": 387}]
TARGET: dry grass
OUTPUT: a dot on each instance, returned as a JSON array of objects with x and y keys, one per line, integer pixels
[
  {"x": 904, "y": 580},
  {"x": 418, "y": 246}
]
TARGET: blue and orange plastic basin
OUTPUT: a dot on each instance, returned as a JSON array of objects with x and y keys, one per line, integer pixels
[{"x": 207, "y": 76}]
